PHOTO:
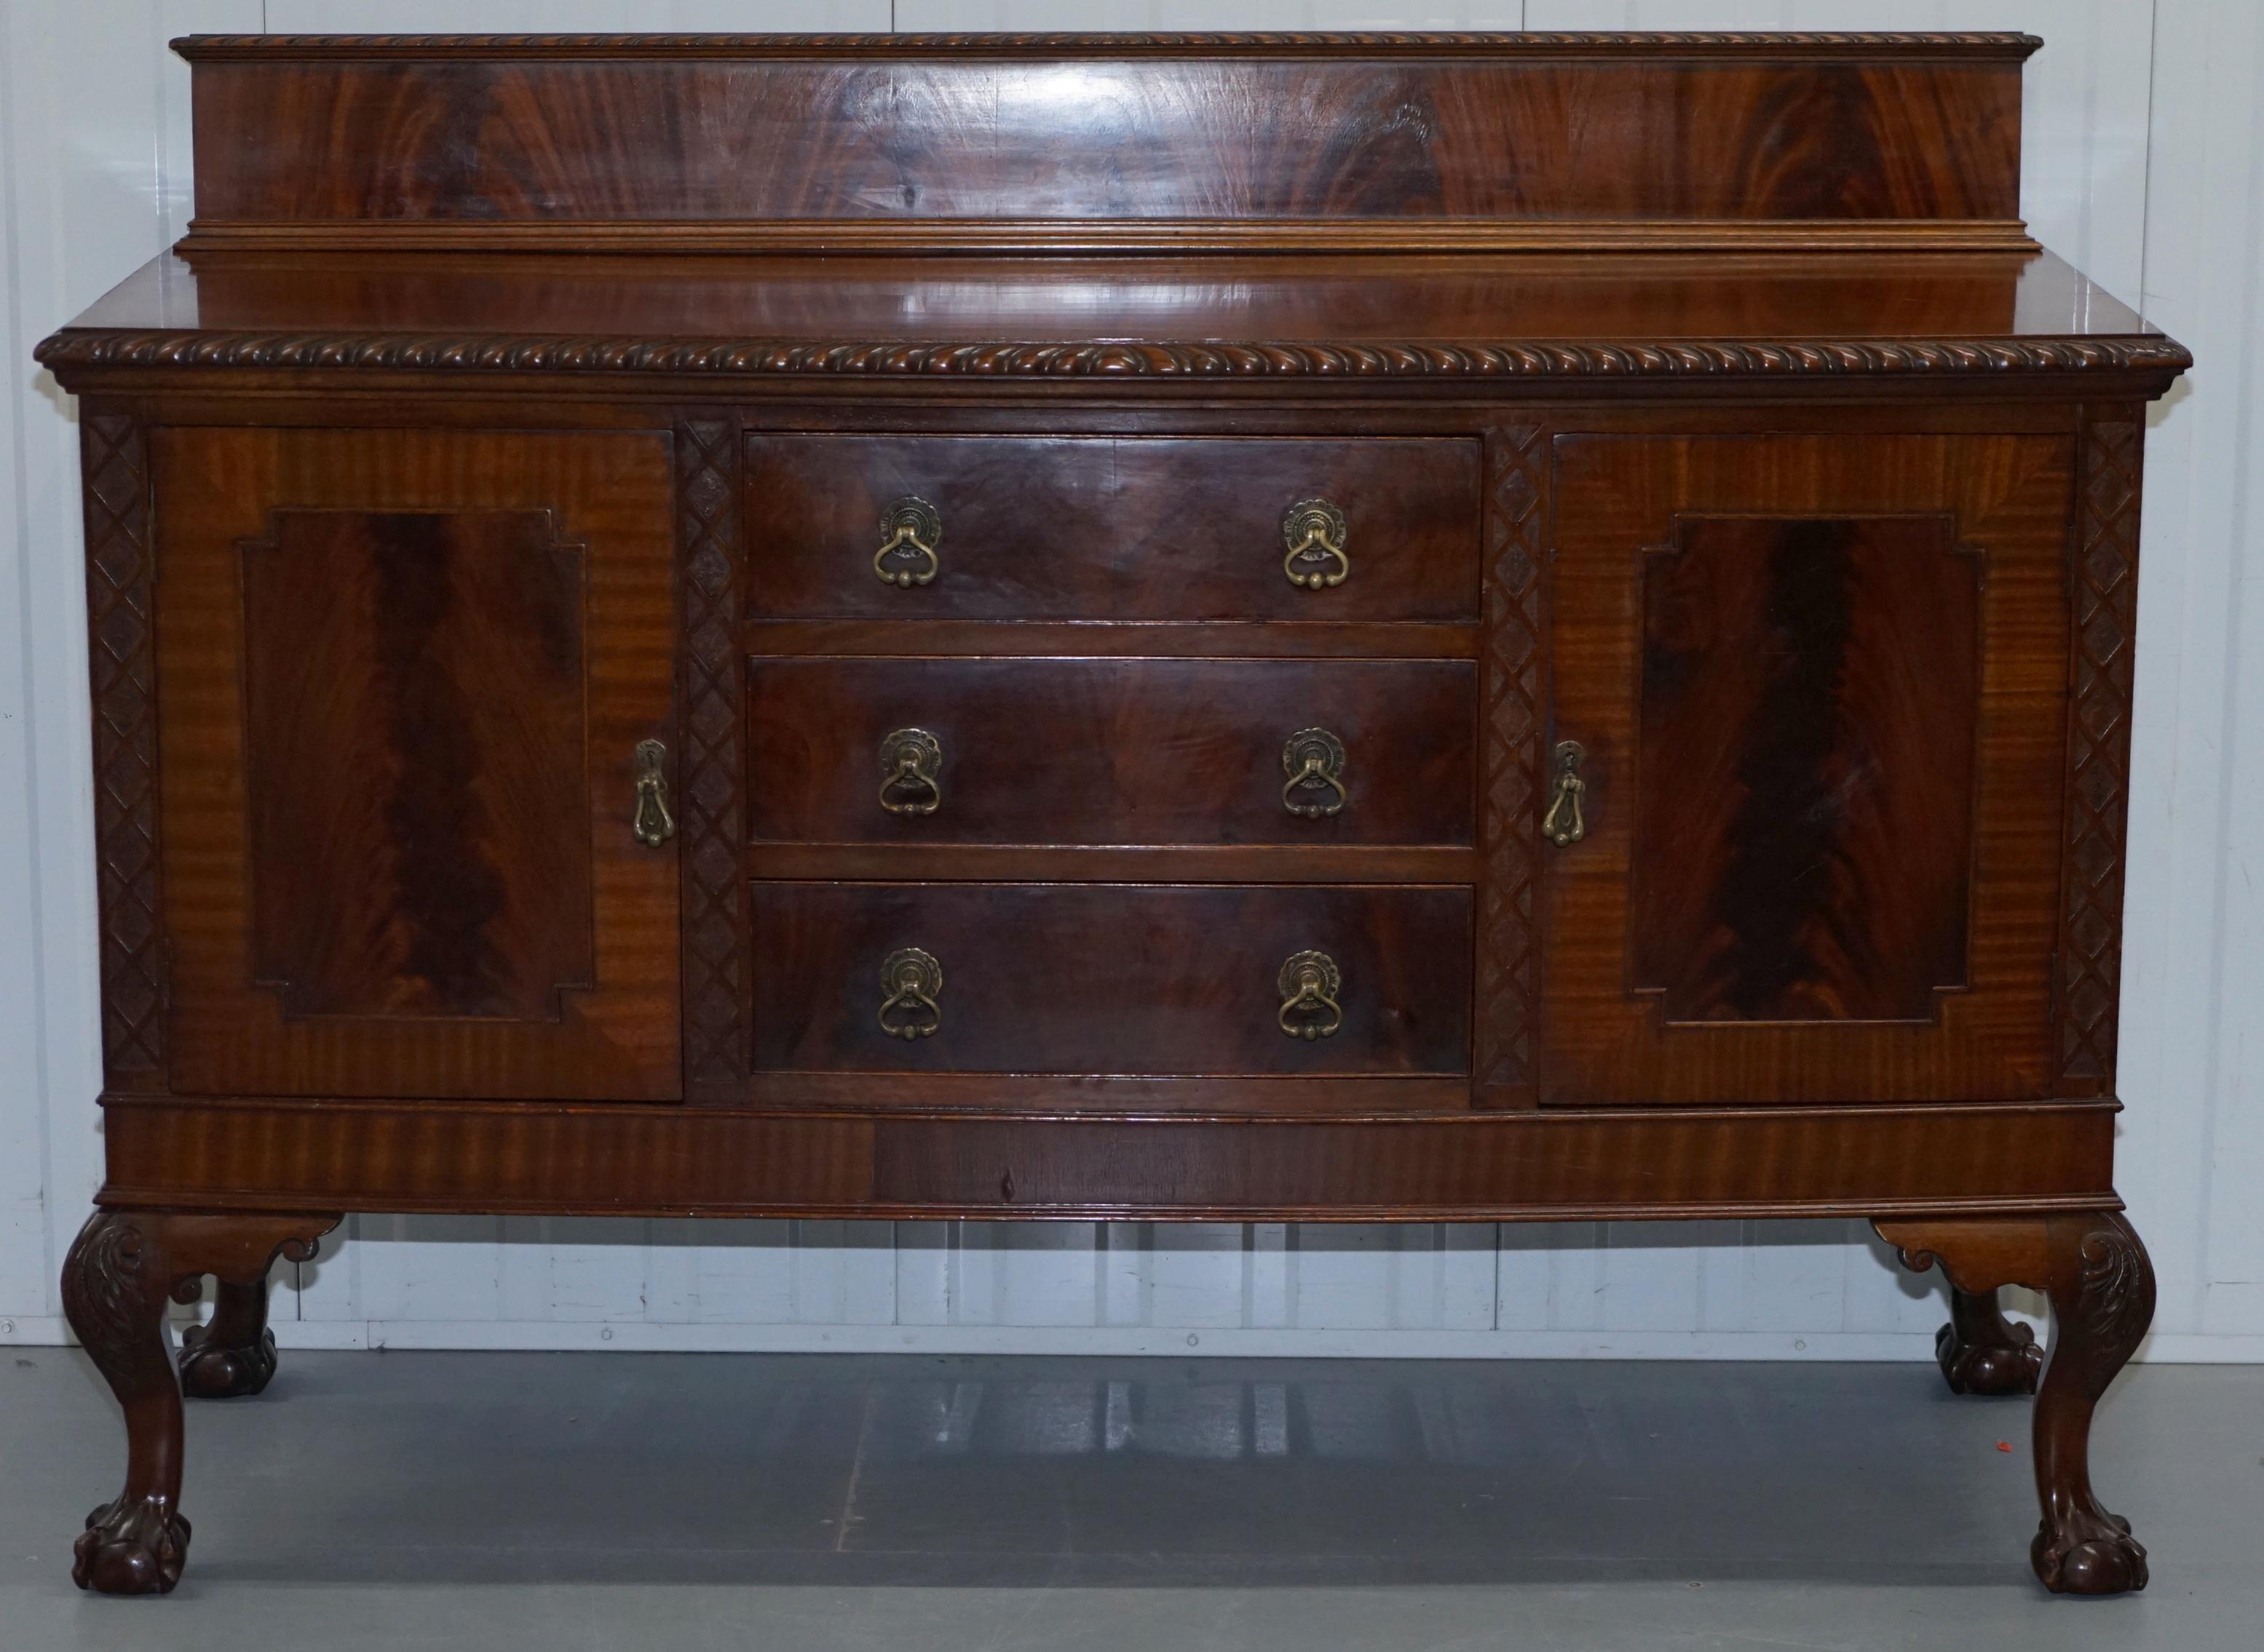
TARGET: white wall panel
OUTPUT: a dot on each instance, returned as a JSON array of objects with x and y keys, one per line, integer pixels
[
  {"x": 2198, "y": 914},
  {"x": 1136, "y": 15},
  {"x": 571, "y": 17},
  {"x": 2144, "y": 173},
  {"x": 25, "y": 1255}
]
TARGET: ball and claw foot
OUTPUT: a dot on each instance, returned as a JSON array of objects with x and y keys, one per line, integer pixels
[
  {"x": 213, "y": 1370},
  {"x": 2095, "y": 1555},
  {"x": 131, "y": 1549},
  {"x": 1998, "y": 1359}
]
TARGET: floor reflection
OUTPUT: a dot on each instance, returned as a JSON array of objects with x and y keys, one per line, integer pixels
[{"x": 1059, "y": 1471}]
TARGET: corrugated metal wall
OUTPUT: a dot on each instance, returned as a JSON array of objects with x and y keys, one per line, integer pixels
[{"x": 2141, "y": 165}]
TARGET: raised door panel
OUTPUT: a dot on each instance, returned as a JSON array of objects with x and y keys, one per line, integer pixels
[
  {"x": 403, "y": 681},
  {"x": 1817, "y": 686}
]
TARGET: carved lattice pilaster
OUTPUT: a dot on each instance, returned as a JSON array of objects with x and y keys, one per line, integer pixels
[
  {"x": 121, "y": 650},
  {"x": 2104, "y": 594},
  {"x": 1509, "y": 838},
  {"x": 714, "y": 766}
]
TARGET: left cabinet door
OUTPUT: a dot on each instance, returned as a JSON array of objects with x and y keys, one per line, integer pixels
[{"x": 413, "y": 687}]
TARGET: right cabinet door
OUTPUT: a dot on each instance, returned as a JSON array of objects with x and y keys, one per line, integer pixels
[{"x": 1818, "y": 688}]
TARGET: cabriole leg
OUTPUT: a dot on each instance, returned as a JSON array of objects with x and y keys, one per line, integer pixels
[
  {"x": 2102, "y": 1296},
  {"x": 121, "y": 1270},
  {"x": 2102, "y": 1286}
]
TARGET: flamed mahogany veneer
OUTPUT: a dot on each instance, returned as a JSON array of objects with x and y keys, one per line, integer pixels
[{"x": 1205, "y": 627}]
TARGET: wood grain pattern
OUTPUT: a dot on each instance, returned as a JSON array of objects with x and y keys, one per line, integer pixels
[
  {"x": 1538, "y": 1164},
  {"x": 218, "y": 490},
  {"x": 1108, "y": 528},
  {"x": 2008, "y": 500},
  {"x": 1113, "y": 863},
  {"x": 122, "y": 657},
  {"x": 1111, "y": 979},
  {"x": 1803, "y": 795},
  {"x": 1061, "y": 751},
  {"x": 711, "y": 560},
  {"x": 1118, "y": 639},
  {"x": 2102, "y": 635},
  {"x": 1286, "y": 142},
  {"x": 414, "y": 746}
]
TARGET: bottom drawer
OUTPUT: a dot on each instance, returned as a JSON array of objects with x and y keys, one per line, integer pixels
[{"x": 1111, "y": 979}]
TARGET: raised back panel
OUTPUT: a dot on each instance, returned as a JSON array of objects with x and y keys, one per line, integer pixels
[
  {"x": 1122, "y": 141},
  {"x": 414, "y": 746},
  {"x": 1804, "y": 772}
]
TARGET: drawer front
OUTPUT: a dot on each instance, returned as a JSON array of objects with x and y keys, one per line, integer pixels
[
  {"x": 1093, "y": 979},
  {"x": 1104, "y": 527},
  {"x": 1111, "y": 751}
]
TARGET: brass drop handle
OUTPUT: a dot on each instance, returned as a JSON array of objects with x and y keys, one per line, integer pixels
[
  {"x": 1315, "y": 531},
  {"x": 651, "y": 821},
  {"x": 912, "y": 982},
  {"x": 1563, "y": 825},
  {"x": 911, "y": 531},
  {"x": 912, "y": 764},
  {"x": 1308, "y": 984},
  {"x": 1314, "y": 759}
]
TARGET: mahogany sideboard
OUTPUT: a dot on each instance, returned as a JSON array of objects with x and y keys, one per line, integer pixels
[{"x": 1469, "y": 628}]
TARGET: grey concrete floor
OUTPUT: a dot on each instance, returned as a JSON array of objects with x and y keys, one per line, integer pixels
[{"x": 810, "y": 1503}]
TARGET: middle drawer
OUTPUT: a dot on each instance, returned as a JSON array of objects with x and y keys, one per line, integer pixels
[{"x": 1029, "y": 751}]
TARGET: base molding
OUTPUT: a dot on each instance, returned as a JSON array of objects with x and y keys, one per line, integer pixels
[{"x": 1971, "y": 1159}]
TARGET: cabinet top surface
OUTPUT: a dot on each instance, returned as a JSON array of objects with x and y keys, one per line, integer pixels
[
  {"x": 1691, "y": 318},
  {"x": 1534, "y": 43}
]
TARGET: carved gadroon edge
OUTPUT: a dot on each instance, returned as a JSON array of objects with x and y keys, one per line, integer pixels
[
  {"x": 1516, "y": 519},
  {"x": 1537, "y": 43},
  {"x": 121, "y": 656},
  {"x": 714, "y": 765},
  {"x": 1711, "y": 361},
  {"x": 2103, "y": 587}
]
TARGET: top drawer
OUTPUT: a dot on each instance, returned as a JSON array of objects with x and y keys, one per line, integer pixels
[{"x": 1112, "y": 528}]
